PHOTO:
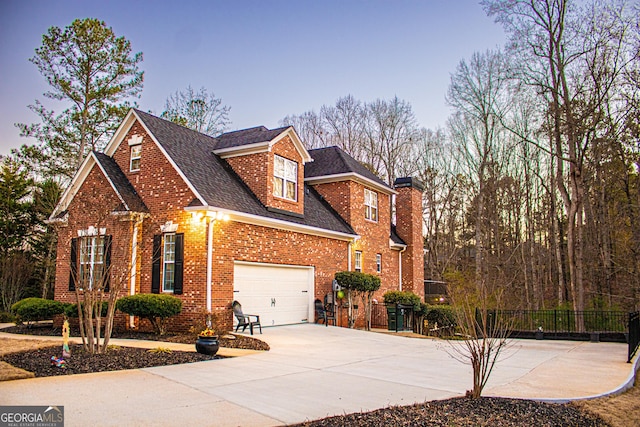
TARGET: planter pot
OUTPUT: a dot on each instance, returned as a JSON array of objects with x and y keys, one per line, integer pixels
[{"x": 207, "y": 345}]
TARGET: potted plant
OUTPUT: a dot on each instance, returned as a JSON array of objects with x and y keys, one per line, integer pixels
[{"x": 207, "y": 342}]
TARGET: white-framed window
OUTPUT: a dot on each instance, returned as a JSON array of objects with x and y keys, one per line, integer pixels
[
  {"x": 285, "y": 178},
  {"x": 378, "y": 263},
  {"x": 169, "y": 262},
  {"x": 91, "y": 261},
  {"x": 136, "y": 154},
  {"x": 370, "y": 205},
  {"x": 358, "y": 260}
]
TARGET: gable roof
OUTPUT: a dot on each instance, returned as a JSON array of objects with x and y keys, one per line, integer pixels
[
  {"x": 332, "y": 164},
  {"x": 123, "y": 188},
  {"x": 218, "y": 186},
  {"x": 130, "y": 201}
]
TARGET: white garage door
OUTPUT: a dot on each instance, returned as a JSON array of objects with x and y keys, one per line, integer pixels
[{"x": 281, "y": 295}]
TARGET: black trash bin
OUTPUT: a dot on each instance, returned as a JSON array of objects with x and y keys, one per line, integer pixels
[{"x": 395, "y": 317}]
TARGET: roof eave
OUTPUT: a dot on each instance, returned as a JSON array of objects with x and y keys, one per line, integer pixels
[
  {"x": 324, "y": 179},
  {"x": 277, "y": 223}
]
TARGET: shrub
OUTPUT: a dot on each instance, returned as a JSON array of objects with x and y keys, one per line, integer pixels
[
  {"x": 71, "y": 310},
  {"x": 34, "y": 309},
  {"x": 6, "y": 317},
  {"x": 402, "y": 297},
  {"x": 442, "y": 314},
  {"x": 154, "y": 307}
]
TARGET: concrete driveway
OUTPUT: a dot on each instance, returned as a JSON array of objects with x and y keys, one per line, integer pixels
[{"x": 313, "y": 371}]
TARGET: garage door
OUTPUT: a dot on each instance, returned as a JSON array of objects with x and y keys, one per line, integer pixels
[{"x": 281, "y": 295}]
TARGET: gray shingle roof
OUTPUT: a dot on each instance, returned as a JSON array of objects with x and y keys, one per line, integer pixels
[
  {"x": 334, "y": 161},
  {"x": 220, "y": 186},
  {"x": 394, "y": 236},
  {"x": 132, "y": 202},
  {"x": 247, "y": 136}
]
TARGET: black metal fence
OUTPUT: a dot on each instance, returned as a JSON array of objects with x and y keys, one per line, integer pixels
[
  {"x": 612, "y": 326},
  {"x": 634, "y": 334},
  {"x": 378, "y": 316}
]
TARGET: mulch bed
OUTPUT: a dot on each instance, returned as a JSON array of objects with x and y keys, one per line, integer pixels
[
  {"x": 228, "y": 341},
  {"x": 462, "y": 411},
  {"x": 81, "y": 362}
]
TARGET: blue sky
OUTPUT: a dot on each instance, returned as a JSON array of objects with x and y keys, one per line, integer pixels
[{"x": 265, "y": 59}]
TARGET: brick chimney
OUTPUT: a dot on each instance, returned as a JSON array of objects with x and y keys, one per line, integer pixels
[{"x": 409, "y": 228}]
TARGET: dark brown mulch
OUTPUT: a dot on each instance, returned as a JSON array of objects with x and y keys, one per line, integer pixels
[
  {"x": 462, "y": 411},
  {"x": 81, "y": 362},
  {"x": 228, "y": 341}
]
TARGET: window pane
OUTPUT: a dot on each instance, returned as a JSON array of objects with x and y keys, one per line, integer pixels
[
  {"x": 291, "y": 190},
  {"x": 374, "y": 214},
  {"x": 277, "y": 186},
  {"x": 169, "y": 277},
  {"x": 291, "y": 171},
  {"x": 278, "y": 167}
]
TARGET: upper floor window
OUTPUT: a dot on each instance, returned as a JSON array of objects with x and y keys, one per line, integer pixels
[
  {"x": 358, "y": 260},
  {"x": 285, "y": 178},
  {"x": 136, "y": 154},
  {"x": 370, "y": 205},
  {"x": 378, "y": 263}
]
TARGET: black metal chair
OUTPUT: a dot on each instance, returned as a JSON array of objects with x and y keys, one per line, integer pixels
[
  {"x": 244, "y": 320},
  {"x": 324, "y": 312},
  {"x": 330, "y": 308},
  {"x": 321, "y": 313}
]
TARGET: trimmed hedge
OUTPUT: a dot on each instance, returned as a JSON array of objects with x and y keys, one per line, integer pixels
[
  {"x": 402, "y": 297},
  {"x": 357, "y": 281},
  {"x": 34, "y": 309},
  {"x": 154, "y": 307}
]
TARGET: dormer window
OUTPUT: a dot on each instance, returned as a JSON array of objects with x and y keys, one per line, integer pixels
[
  {"x": 285, "y": 178},
  {"x": 136, "y": 154},
  {"x": 370, "y": 205}
]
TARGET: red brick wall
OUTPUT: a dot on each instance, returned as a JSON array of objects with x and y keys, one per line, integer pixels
[
  {"x": 409, "y": 228},
  {"x": 255, "y": 171}
]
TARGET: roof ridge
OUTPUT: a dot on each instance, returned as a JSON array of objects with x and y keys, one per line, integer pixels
[
  {"x": 170, "y": 123},
  {"x": 243, "y": 130}
]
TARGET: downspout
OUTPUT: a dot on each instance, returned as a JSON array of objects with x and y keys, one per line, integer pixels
[
  {"x": 400, "y": 268},
  {"x": 134, "y": 263},
  {"x": 209, "y": 260},
  {"x": 349, "y": 256}
]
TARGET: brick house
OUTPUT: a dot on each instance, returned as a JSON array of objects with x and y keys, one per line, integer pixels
[{"x": 250, "y": 215}]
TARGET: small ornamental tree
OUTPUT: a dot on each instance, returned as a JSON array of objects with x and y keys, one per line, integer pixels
[
  {"x": 154, "y": 307},
  {"x": 358, "y": 285}
]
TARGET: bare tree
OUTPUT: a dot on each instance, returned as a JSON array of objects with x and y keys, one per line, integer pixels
[
  {"x": 15, "y": 270},
  {"x": 485, "y": 334},
  {"x": 97, "y": 281},
  {"x": 200, "y": 111},
  {"x": 477, "y": 94}
]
